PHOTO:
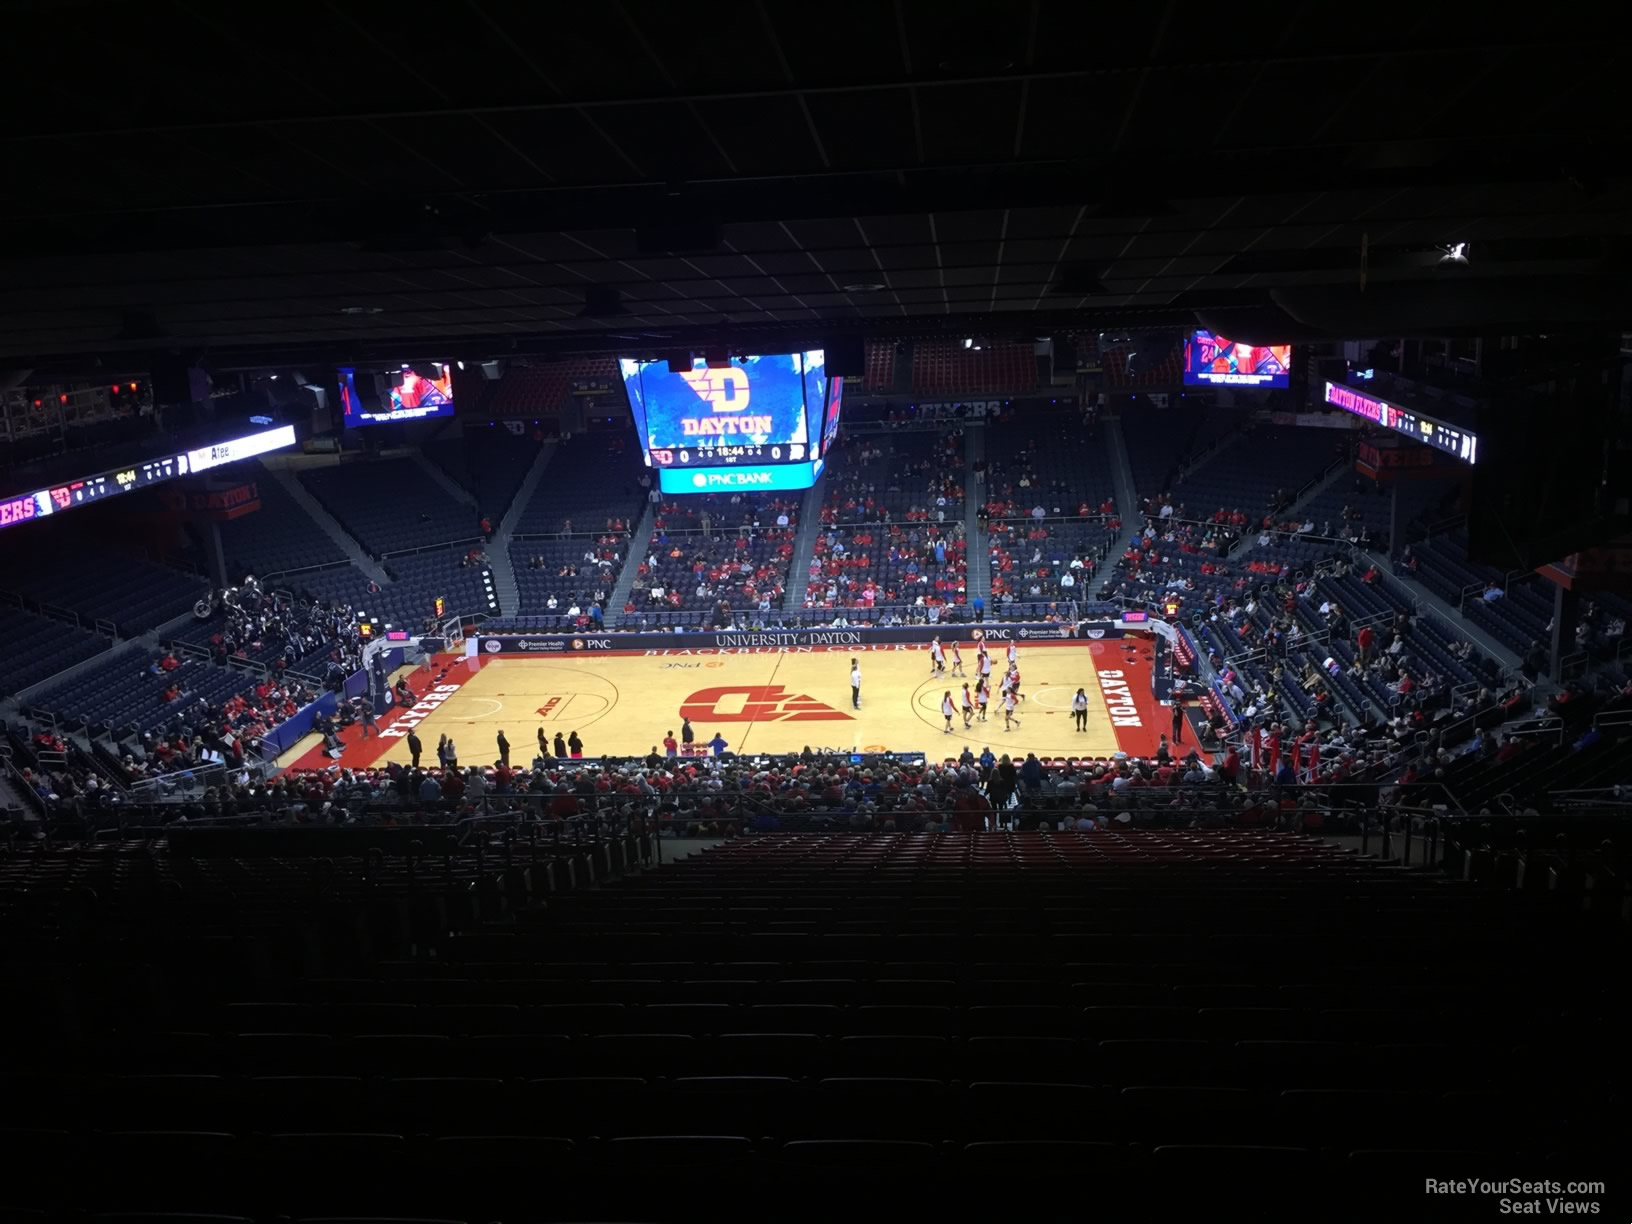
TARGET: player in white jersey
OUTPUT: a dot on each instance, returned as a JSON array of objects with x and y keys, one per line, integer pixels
[
  {"x": 947, "y": 710},
  {"x": 982, "y": 696},
  {"x": 957, "y": 660},
  {"x": 937, "y": 656},
  {"x": 1013, "y": 681},
  {"x": 1014, "y": 653},
  {"x": 1009, "y": 720},
  {"x": 985, "y": 665}
]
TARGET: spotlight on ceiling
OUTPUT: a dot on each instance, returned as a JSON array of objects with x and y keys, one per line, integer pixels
[
  {"x": 1455, "y": 253},
  {"x": 968, "y": 342}
]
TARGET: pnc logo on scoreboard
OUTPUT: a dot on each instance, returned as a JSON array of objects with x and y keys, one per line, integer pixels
[{"x": 757, "y": 703}]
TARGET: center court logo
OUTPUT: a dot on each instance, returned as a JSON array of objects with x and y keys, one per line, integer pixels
[{"x": 757, "y": 703}]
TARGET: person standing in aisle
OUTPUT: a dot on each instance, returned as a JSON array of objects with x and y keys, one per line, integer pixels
[
  {"x": 688, "y": 737},
  {"x": 504, "y": 750},
  {"x": 414, "y": 748},
  {"x": 855, "y": 684},
  {"x": 1178, "y": 721},
  {"x": 1079, "y": 710}
]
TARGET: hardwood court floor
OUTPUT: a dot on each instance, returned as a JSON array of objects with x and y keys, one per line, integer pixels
[{"x": 769, "y": 701}]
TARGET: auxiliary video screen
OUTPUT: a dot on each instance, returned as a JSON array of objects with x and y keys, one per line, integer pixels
[
  {"x": 1211, "y": 360},
  {"x": 414, "y": 393},
  {"x": 835, "y": 393},
  {"x": 752, "y": 410}
]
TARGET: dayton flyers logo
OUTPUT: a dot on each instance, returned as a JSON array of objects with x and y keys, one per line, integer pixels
[
  {"x": 757, "y": 703},
  {"x": 723, "y": 390}
]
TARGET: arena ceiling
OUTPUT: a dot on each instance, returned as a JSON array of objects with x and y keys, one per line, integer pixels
[{"x": 319, "y": 179}]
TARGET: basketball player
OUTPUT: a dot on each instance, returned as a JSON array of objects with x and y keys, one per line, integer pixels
[
  {"x": 1009, "y": 720},
  {"x": 1079, "y": 710},
  {"x": 1014, "y": 653},
  {"x": 855, "y": 684},
  {"x": 957, "y": 660},
  {"x": 968, "y": 706},
  {"x": 937, "y": 657},
  {"x": 947, "y": 710},
  {"x": 1014, "y": 681},
  {"x": 982, "y": 696},
  {"x": 984, "y": 665}
]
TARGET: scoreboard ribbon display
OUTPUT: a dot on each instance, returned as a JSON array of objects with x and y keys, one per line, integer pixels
[
  {"x": 72, "y": 494},
  {"x": 1451, "y": 439}
]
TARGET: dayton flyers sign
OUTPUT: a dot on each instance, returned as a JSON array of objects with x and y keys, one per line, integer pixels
[{"x": 725, "y": 390}]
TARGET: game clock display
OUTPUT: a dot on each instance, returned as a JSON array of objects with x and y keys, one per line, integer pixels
[{"x": 88, "y": 490}]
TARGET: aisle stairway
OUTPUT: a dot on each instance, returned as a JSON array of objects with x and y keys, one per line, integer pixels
[
  {"x": 1127, "y": 505},
  {"x": 640, "y": 543},
  {"x": 283, "y": 470},
  {"x": 974, "y": 496},
  {"x": 498, "y": 549},
  {"x": 804, "y": 548},
  {"x": 438, "y": 477}
]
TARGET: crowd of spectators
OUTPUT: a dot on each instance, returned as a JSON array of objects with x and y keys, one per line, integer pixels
[
  {"x": 920, "y": 565},
  {"x": 285, "y": 632},
  {"x": 883, "y": 478}
]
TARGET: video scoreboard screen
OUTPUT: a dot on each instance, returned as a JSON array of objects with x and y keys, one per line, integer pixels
[
  {"x": 761, "y": 421},
  {"x": 1453, "y": 440},
  {"x": 413, "y": 393},
  {"x": 1211, "y": 360},
  {"x": 72, "y": 494}
]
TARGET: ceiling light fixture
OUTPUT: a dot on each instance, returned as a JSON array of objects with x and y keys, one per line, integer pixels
[
  {"x": 362, "y": 310},
  {"x": 863, "y": 287},
  {"x": 1455, "y": 253}
]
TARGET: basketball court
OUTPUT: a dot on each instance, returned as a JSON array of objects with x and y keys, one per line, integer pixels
[{"x": 765, "y": 701}]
